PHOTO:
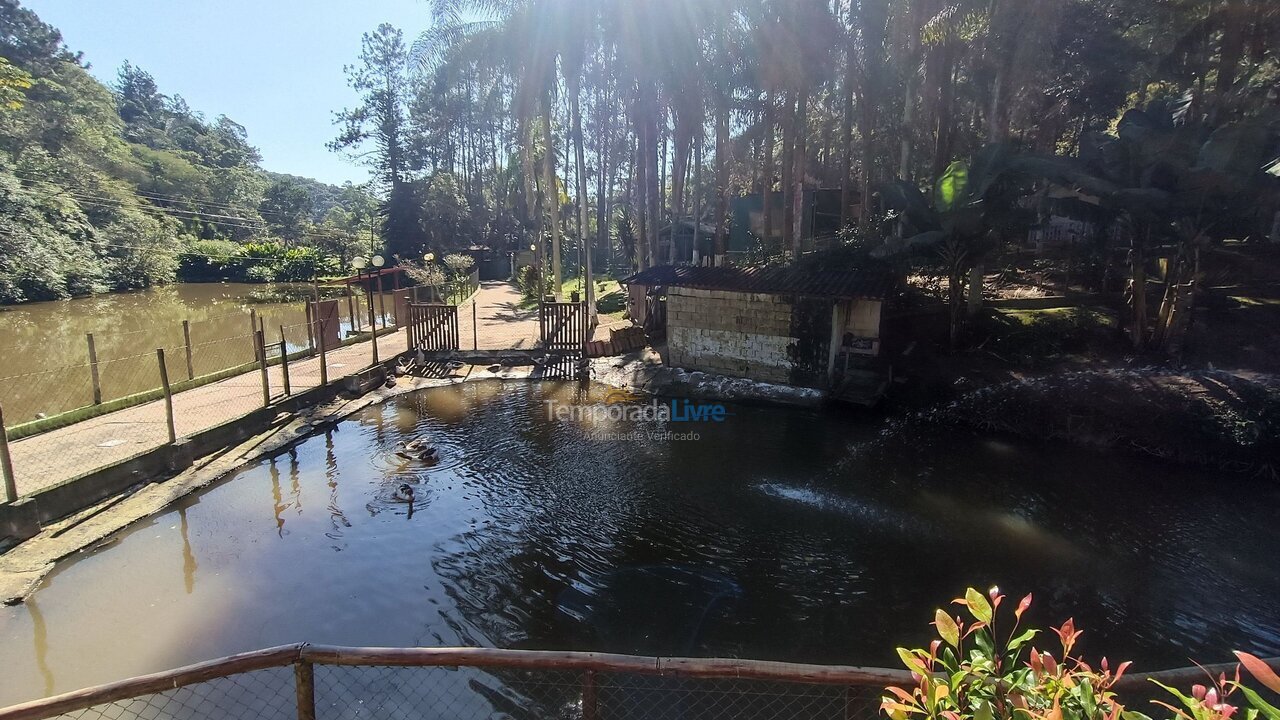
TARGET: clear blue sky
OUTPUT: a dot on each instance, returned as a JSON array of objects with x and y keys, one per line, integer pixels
[{"x": 274, "y": 66}]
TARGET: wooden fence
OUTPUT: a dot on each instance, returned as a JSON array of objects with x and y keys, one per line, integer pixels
[
  {"x": 564, "y": 326},
  {"x": 433, "y": 328}
]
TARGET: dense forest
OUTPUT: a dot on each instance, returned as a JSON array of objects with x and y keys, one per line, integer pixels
[
  {"x": 936, "y": 122},
  {"x": 595, "y": 132},
  {"x": 107, "y": 188}
]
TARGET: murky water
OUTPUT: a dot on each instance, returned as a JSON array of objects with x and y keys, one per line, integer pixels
[
  {"x": 777, "y": 534},
  {"x": 44, "y": 354}
]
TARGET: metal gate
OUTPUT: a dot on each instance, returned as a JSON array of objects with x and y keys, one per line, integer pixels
[{"x": 433, "y": 327}]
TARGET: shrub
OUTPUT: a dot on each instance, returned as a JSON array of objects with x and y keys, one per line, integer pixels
[
  {"x": 985, "y": 668},
  {"x": 208, "y": 261},
  {"x": 458, "y": 264}
]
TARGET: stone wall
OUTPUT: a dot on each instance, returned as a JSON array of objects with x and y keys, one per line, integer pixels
[{"x": 732, "y": 333}]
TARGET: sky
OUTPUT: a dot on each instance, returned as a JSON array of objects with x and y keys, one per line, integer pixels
[{"x": 274, "y": 66}]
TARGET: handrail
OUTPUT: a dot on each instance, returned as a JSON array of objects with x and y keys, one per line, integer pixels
[
  {"x": 280, "y": 656},
  {"x": 605, "y": 662},
  {"x": 303, "y": 656}
]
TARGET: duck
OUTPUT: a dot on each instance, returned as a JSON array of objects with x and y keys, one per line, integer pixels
[
  {"x": 419, "y": 450},
  {"x": 416, "y": 444},
  {"x": 404, "y": 493}
]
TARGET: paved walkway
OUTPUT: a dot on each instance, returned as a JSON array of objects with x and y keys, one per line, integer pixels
[
  {"x": 493, "y": 320},
  {"x": 60, "y": 455}
]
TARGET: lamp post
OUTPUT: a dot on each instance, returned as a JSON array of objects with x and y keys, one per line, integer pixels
[
  {"x": 427, "y": 260},
  {"x": 360, "y": 263},
  {"x": 378, "y": 261},
  {"x": 537, "y": 275}
]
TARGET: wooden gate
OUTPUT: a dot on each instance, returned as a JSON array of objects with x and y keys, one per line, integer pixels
[
  {"x": 432, "y": 327},
  {"x": 564, "y": 327}
]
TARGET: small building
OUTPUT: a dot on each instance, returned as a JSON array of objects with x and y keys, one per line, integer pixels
[{"x": 810, "y": 328}]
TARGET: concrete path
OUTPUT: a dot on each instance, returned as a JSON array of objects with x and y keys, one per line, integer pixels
[
  {"x": 491, "y": 320},
  {"x": 59, "y": 455}
]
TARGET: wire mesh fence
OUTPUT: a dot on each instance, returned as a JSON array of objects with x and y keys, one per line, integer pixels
[
  {"x": 138, "y": 391},
  {"x": 475, "y": 692},
  {"x": 335, "y": 683}
]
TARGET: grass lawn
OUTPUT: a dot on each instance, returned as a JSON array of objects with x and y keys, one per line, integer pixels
[{"x": 611, "y": 297}]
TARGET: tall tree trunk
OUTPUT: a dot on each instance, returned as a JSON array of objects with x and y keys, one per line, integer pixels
[
  {"x": 1138, "y": 275},
  {"x": 788, "y": 170},
  {"x": 846, "y": 123},
  {"x": 722, "y": 179},
  {"x": 946, "y": 108},
  {"x": 770, "y": 173},
  {"x": 800, "y": 133},
  {"x": 697, "y": 195},
  {"x": 584, "y": 221},
  {"x": 553, "y": 196},
  {"x": 909, "y": 99},
  {"x": 651, "y": 173},
  {"x": 682, "y": 140},
  {"x": 1230, "y": 51},
  {"x": 641, "y": 204},
  {"x": 533, "y": 209}
]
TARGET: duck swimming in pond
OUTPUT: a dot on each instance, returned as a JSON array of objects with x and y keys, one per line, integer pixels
[
  {"x": 419, "y": 450},
  {"x": 404, "y": 493}
]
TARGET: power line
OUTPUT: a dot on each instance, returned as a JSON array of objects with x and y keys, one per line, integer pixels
[
  {"x": 174, "y": 198},
  {"x": 180, "y": 214},
  {"x": 199, "y": 214}
]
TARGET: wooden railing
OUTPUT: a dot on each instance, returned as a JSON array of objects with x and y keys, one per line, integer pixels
[
  {"x": 303, "y": 657},
  {"x": 432, "y": 327}
]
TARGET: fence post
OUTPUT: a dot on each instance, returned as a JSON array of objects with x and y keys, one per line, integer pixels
[
  {"x": 311, "y": 333},
  {"x": 261, "y": 347},
  {"x": 168, "y": 396},
  {"x": 6, "y": 463},
  {"x": 305, "y": 684},
  {"x": 93, "y": 370},
  {"x": 284, "y": 361},
  {"x": 475, "y": 327},
  {"x": 351, "y": 313},
  {"x": 373, "y": 331},
  {"x": 186, "y": 339},
  {"x": 253, "y": 328},
  {"x": 324, "y": 365},
  {"x": 589, "y": 705}
]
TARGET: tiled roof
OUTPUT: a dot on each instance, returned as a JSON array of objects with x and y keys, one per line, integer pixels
[{"x": 844, "y": 284}]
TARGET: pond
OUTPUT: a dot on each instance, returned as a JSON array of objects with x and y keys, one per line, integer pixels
[
  {"x": 776, "y": 534},
  {"x": 45, "y": 368}
]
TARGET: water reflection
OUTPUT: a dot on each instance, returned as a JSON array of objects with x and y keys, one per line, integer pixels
[
  {"x": 189, "y": 564},
  {"x": 838, "y": 542},
  {"x": 40, "y": 644}
]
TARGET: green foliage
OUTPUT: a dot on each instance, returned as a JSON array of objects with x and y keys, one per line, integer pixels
[
  {"x": 951, "y": 186},
  {"x": 109, "y": 189},
  {"x": 986, "y": 666},
  {"x": 13, "y": 84},
  {"x": 459, "y": 264},
  {"x": 527, "y": 281}
]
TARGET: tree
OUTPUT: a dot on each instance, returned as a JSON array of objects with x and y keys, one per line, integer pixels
[
  {"x": 286, "y": 207},
  {"x": 375, "y": 131}
]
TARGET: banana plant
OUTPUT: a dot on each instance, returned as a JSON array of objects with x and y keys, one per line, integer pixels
[{"x": 972, "y": 202}]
